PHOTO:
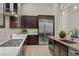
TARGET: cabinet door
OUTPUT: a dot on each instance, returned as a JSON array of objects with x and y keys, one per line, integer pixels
[
  {"x": 51, "y": 44},
  {"x": 64, "y": 50},
  {"x": 33, "y": 40},
  {"x": 13, "y": 22},
  {"x": 56, "y": 49},
  {"x": 29, "y": 22}
]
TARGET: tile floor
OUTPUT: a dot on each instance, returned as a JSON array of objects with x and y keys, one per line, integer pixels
[
  {"x": 37, "y": 50},
  {"x": 43, "y": 40}
]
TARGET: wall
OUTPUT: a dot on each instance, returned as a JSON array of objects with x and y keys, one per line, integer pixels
[
  {"x": 5, "y": 33},
  {"x": 70, "y": 18},
  {"x": 43, "y": 9},
  {"x": 65, "y": 20},
  {"x": 37, "y": 9},
  {"x": 74, "y": 18},
  {"x": 1, "y": 14},
  {"x": 33, "y": 9}
]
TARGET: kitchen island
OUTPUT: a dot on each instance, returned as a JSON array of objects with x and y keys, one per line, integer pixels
[{"x": 61, "y": 48}]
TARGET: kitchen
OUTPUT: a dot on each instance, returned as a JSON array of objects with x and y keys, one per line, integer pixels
[{"x": 28, "y": 26}]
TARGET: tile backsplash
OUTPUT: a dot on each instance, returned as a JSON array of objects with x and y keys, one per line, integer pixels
[{"x": 32, "y": 30}]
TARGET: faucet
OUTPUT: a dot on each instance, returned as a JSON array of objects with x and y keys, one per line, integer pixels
[
  {"x": 71, "y": 35},
  {"x": 70, "y": 32}
]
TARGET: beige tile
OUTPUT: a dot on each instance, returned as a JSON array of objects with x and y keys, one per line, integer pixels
[{"x": 37, "y": 50}]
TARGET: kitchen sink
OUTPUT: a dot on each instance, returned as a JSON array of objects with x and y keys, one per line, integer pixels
[
  {"x": 69, "y": 42},
  {"x": 13, "y": 42}
]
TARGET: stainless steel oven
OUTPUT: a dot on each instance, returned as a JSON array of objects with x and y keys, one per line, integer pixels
[{"x": 51, "y": 45}]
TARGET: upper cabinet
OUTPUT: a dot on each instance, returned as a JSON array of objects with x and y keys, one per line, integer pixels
[
  {"x": 29, "y": 21},
  {"x": 11, "y": 7},
  {"x": 13, "y": 22}
]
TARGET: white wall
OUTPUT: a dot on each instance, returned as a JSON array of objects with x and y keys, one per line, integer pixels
[
  {"x": 74, "y": 18},
  {"x": 70, "y": 18},
  {"x": 37, "y": 9},
  {"x": 65, "y": 20}
]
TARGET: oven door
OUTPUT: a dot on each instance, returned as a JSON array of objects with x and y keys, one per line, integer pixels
[{"x": 51, "y": 45}]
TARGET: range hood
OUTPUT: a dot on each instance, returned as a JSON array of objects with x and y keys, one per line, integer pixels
[{"x": 10, "y": 13}]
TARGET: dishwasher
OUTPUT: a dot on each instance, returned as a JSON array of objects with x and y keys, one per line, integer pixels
[{"x": 73, "y": 52}]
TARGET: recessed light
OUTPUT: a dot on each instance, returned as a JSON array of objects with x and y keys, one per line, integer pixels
[
  {"x": 63, "y": 12},
  {"x": 15, "y": 15},
  {"x": 12, "y": 12},
  {"x": 75, "y": 7}
]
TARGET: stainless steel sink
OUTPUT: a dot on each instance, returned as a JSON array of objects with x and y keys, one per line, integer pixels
[
  {"x": 69, "y": 42},
  {"x": 13, "y": 42}
]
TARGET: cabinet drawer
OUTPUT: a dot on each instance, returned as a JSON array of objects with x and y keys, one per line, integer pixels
[{"x": 33, "y": 39}]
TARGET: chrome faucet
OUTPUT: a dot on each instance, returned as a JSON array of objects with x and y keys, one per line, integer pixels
[{"x": 70, "y": 32}]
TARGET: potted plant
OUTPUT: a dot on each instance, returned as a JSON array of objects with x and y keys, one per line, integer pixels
[{"x": 62, "y": 34}]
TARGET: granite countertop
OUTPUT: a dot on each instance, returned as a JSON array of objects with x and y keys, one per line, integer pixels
[{"x": 73, "y": 45}]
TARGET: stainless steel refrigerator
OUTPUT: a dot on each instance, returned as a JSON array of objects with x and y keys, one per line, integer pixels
[{"x": 45, "y": 30}]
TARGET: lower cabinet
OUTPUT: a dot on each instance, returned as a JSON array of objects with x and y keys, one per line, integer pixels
[
  {"x": 32, "y": 40},
  {"x": 63, "y": 50},
  {"x": 60, "y": 49},
  {"x": 57, "y": 49}
]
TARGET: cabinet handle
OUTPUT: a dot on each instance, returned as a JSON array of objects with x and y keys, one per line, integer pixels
[{"x": 77, "y": 53}]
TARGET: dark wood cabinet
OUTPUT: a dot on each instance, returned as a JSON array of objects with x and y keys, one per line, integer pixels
[
  {"x": 13, "y": 22},
  {"x": 58, "y": 48},
  {"x": 32, "y": 40},
  {"x": 63, "y": 50},
  {"x": 29, "y": 22}
]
